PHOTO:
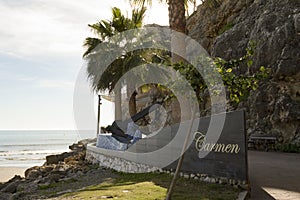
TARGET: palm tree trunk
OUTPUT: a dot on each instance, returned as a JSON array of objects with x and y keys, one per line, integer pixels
[
  {"x": 177, "y": 23},
  {"x": 131, "y": 95},
  {"x": 132, "y": 104},
  {"x": 118, "y": 108},
  {"x": 177, "y": 19}
]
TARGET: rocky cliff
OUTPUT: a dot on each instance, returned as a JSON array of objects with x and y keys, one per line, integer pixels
[{"x": 225, "y": 29}]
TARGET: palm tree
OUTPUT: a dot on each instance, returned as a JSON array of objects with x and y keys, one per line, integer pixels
[
  {"x": 104, "y": 30},
  {"x": 177, "y": 22},
  {"x": 176, "y": 8}
]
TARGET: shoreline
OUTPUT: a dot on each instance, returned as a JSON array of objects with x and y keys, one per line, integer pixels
[
  {"x": 76, "y": 151},
  {"x": 6, "y": 173},
  {"x": 70, "y": 172}
]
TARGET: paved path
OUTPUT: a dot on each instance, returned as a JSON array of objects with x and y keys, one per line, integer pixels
[{"x": 274, "y": 175}]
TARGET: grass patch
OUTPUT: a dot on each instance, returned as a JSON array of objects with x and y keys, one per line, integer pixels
[
  {"x": 47, "y": 186},
  {"x": 153, "y": 186},
  {"x": 126, "y": 191}
]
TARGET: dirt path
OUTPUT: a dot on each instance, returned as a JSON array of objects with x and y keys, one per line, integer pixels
[{"x": 274, "y": 175}]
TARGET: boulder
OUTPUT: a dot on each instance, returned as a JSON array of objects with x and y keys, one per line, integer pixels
[
  {"x": 11, "y": 187},
  {"x": 5, "y": 196},
  {"x": 85, "y": 142},
  {"x": 55, "y": 159},
  {"x": 33, "y": 174},
  {"x": 52, "y": 178}
]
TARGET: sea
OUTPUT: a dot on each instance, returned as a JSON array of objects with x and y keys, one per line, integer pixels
[{"x": 30, "y": 148}]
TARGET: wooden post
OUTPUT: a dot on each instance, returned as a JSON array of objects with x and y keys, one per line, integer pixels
[
  {"x": 179, "y": 164},
  {"x": 98, "y": 122}
]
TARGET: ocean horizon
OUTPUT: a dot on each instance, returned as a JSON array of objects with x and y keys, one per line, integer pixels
[{"x": 28, "y": 148}]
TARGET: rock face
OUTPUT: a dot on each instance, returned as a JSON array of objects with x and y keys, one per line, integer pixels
[{"x": 274, "y": 26}]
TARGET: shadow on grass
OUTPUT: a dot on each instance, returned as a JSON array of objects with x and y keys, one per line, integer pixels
[{"x": 157, "y": 183}]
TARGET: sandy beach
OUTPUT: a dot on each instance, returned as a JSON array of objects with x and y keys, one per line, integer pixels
[{"x": 7, "y": 173}]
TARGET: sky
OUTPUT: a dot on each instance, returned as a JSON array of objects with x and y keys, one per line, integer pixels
[{"x": 41, "y": 55}]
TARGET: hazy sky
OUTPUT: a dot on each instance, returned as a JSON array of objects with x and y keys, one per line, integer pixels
[{"x": 41, "y": 55}]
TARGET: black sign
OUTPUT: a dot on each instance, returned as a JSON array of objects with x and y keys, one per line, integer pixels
[{"x": 224, "y": 157}]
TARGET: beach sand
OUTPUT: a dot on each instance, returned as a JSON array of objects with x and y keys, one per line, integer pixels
[{"x": 7, "y": 173}]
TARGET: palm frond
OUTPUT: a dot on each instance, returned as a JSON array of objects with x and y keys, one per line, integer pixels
[
  {"x": 116, "y": 12},
  {"x": 137, "y": 17},
  {"x": 105, "y": 78},
  {"x": 102, "y": 28},
  {"x": 90, "y": 43},
  {"x": 142, "y": 3}
]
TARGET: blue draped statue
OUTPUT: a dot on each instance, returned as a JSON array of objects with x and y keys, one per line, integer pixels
[{"x": 106, "y": 141}]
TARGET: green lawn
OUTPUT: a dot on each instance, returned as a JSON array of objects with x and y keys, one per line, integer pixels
[{"x": 153, "y": 186}]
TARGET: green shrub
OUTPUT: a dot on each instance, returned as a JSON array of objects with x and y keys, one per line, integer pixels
[
  {"x": 289, "y": 148},
  {"x": 238, "y": 85}
]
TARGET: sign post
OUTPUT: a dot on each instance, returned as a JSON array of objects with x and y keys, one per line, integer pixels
[{"x": 98, "y": 120}]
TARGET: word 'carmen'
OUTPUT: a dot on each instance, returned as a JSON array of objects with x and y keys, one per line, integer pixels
[{"x": 201, "y": 145}]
